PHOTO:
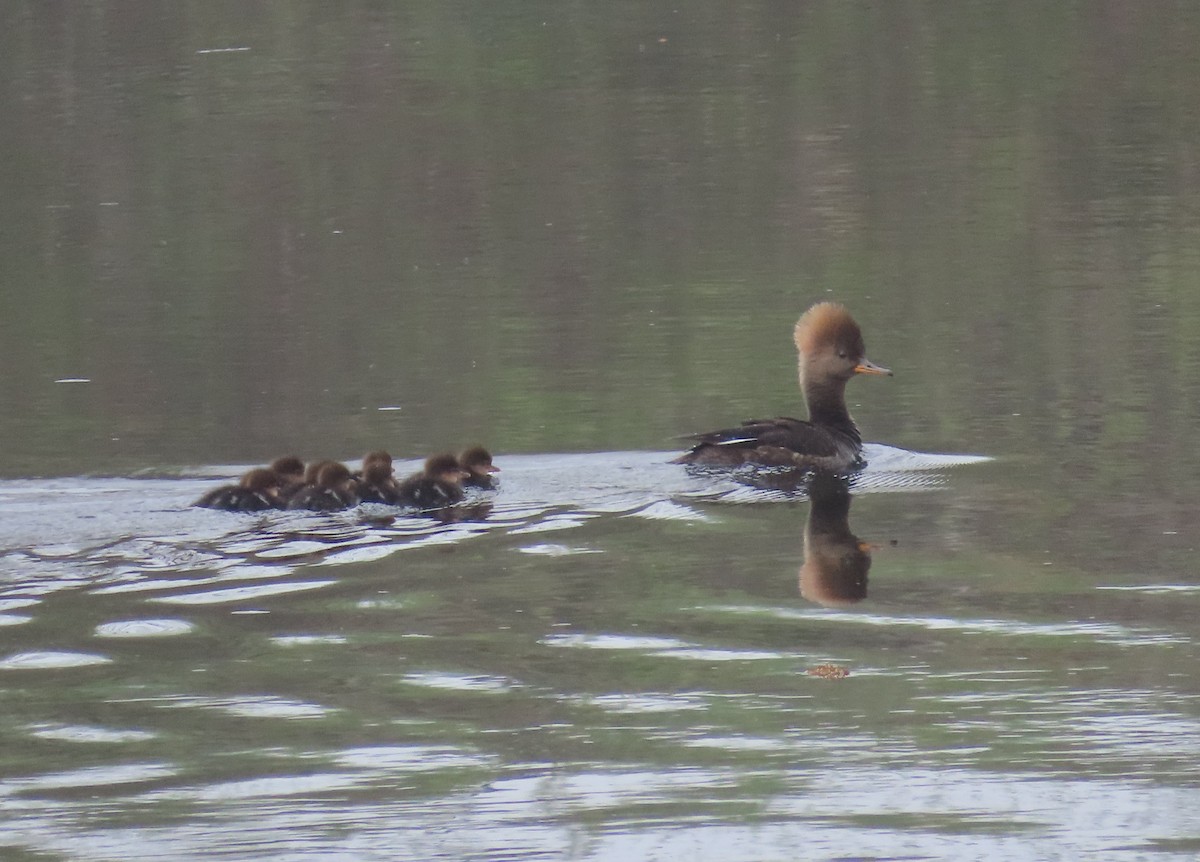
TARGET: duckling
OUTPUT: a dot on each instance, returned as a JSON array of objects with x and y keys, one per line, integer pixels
[
  {"x": 830, "y": 346},
  {"x": 333, "y": 490},
  {"x": 313, "y": 468},
  {"x": 377, "y": 481},
  {"x": 290, "y": 471},
  {"x": 477, "y": 461},
  {"x": 256, "y": 491},
  {"x": 438, "y": 485}
]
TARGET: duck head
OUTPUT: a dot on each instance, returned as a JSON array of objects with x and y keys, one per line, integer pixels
[
  {"x": 831, "y": 346},
  {"x": 289, "y": 468},
  {"x": 313, "y": 470},
  {"x": 333, "y": 475},
  {"x": 377, "y": 472},
  {"x": 260, "y": 479},
  {"x": 379, "y": 456},
  {"x": 445, "y": 468},
  {"x": 477, "y": 461}
]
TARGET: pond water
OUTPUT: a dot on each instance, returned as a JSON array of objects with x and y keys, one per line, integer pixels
[{"x": 573, "y": 232}]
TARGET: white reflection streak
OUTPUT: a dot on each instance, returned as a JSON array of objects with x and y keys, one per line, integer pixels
[{"x": 1104, "y": 632}]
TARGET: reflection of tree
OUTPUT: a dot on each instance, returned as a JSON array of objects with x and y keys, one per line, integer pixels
[{"x": 310, "y": 227}]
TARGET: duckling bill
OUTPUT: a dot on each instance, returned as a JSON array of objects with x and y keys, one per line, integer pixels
[{"x": 831, "y": 352}]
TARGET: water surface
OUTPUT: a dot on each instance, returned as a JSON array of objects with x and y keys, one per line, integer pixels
[{"x": 573, "y": 232}]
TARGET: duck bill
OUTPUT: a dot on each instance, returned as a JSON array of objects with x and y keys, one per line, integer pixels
[
  {"x": 491, "y": 468},
  {"x": 866, "y": 366}
]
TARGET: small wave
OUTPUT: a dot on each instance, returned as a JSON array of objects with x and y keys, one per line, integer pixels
[
  {"x": 461, "y": 682},
  {"x": 238, "y": 594},
  {"x": 49, "y": 660},
  {"x": 1101, "y": 632},
  {"x": 110, "y": 533},
  {"x": 551, "y": 550},
  {"x": 263, "y": 706},
  {"x": 143, "y": 628},
  {"x": 86, "y": 733}
]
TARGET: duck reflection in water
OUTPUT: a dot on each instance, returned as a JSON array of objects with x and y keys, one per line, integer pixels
[{"x": 834, "y": 573}]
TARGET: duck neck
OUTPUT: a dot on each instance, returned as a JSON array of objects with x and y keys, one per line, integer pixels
[{"x": 827, "y": 407}]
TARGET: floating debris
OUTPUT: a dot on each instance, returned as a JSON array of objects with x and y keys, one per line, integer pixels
[{"x": 828, "y": 671}]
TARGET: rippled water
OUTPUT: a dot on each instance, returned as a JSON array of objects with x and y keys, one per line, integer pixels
[
  {"x": 612, "y": 661},
  {"x": 231, "y": 230}
]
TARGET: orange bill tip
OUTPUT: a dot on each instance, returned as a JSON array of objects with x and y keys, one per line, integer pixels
[{"x": 866, "y": 366}]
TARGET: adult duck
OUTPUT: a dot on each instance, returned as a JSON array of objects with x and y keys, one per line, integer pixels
[{"x": 831, "y": 351}]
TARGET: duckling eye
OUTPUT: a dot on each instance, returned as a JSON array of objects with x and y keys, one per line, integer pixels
[{"x": 842, "y": 354}]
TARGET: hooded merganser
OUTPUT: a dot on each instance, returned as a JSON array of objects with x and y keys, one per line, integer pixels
[
  {"x": 333, "y": 490},
  {"x": 438, "y": 485},
  {"x": 477, "y": 461},
  {"x": 831, "y": 352},
  {"x": 377, "y": 482},
  {"x": 256, "y": 491}
]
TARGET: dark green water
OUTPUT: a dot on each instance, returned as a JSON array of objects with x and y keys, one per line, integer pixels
[{"x": 248, "y": 229}]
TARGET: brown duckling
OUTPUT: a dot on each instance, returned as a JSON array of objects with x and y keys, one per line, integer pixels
[
  {"x": 333, "y": 490},
  {"x": 477, "y": 461},
  {"x": 256, "y": 491},
  {"x": 288, "y": 467},
  {"x": 290, "y": 471},
  {"x": 377, "y": 481},
  {"x": 438, "y": 485},
  {"x": 314, "y": 467},
  {"x": 831, "y": 351}
]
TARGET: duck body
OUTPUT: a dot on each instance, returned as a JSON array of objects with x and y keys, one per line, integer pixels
[
  {"x": 256, "y": 491},
  {"x": 377, "y": 481},
  {"x": 333, "y": 490},
  {"x": 386, "y": 491},
  {"x": 780, "y": 442},
  {"x": 831, "y": 352},
  {"x": 313, "y": 498},
  {"x": 436, "y": 486},
  {"x": 425, "y": 492},
  {"x": 235, "y": 498}
]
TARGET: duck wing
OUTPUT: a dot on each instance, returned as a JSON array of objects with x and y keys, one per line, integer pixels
[
  {"x": 234, "y": 498},
  {"x": 779, "y": 442}
]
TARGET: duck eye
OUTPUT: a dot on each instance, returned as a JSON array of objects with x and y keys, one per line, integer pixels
[{"x": 842, "y": 354}]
